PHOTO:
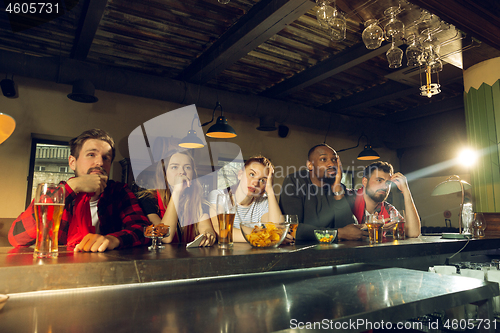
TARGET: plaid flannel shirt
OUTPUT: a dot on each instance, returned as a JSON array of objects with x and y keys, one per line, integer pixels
[{"x": 119, "y": 215}]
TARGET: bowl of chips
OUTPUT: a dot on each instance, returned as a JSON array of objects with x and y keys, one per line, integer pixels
[
  {"x": 325, "y": 236},
  {"x": 265, "y": 234}
]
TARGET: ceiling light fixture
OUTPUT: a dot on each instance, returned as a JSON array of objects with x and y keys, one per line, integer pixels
[
  {"x": 221, "y": 129},
  {"x": 368, "y": 154},
  {"x": 7, "y": 126},
  {"x": 83, "y": 92},
  {"x": 191, "y": 140},
  {"x": 267, "y": 124}
]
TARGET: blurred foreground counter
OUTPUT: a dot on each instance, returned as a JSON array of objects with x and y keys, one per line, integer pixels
[
  {"x": 20, "y": 272},
  {"x": 347, "y": 287}
]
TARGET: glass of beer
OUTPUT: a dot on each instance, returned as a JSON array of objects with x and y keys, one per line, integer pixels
[
  {"x": 479, "y": 225},
  {"x": 49, "y": 207},
  {"x": 399, "y": 230},
  {"x": 294, "y": 223},
  {"x": 375, "y": 224},
  {"x": 226, "y": 210}
]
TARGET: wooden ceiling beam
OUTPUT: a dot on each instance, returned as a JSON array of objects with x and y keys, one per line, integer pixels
[
  {"x": 425, "y": 110},
  {"x": 263, "y": 21},
  {"x": 370, "y": 97},
  {"x": 479, "y": 18},
  {"x": 91, "y": 17},
  {"x": 330, "y": 67}
]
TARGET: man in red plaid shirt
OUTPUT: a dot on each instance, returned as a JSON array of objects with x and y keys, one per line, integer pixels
[{"x": 99, "y": 214}]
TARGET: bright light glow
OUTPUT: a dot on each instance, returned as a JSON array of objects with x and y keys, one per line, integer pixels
[{"x": 467, "y": 157}]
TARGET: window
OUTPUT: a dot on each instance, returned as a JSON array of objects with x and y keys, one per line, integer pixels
[{"x": 48, "y": 163}]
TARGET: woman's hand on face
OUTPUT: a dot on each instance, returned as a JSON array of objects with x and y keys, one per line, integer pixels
[
  {"x": 269, "y": 181},
  {"x": 181, "y": 182}
]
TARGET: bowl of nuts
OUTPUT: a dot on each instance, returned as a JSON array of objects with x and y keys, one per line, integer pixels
[{"x": 156, "y": 233}]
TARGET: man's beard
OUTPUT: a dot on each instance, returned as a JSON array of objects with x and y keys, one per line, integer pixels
[
  {"x": 377, "y": 196},
  {"x": 329, "y": 180}
]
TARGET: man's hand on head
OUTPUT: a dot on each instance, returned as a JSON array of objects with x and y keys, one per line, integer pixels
[
  {"x": 352, "y": 232},
  {"x": 400, "y": 180},
  {"x": 93, "y": 183},
  {"x": 97, "y": 243}
]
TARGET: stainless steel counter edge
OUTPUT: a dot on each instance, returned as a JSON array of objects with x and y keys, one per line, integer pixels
[{"x": 19, "y": 272}]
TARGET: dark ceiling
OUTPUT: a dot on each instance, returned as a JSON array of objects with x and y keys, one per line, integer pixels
[{"x": 259, "y": 50}]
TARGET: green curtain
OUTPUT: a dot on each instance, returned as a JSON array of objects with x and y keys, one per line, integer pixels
[{"x": 482, "y": 117}]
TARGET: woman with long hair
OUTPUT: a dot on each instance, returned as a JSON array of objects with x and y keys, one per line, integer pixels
[
  {"x": 178, "y": 201},
  {"x": 254, "y": 196}
]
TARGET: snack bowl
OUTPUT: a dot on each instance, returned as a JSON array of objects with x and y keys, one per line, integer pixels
[
  {"x": 325, "y": 236},
  {"x": 264, "y": 234},
  {"x": 156, "y": 233},
  {"x": 3, "y": 300}
]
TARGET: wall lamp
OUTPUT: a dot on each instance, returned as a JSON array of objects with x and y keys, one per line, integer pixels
[
  {"x": 367, "y": 154},
  {"x": 453, "y": 185},
  {"x": 221, "y": 129},
  {"x": 7, "y": 126},
  {"x": 191, "y": 140}
]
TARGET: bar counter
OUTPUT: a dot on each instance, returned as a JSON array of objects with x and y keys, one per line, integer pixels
[
  {"x": 20, "y": 272},
  {"x": 349, "y": 300}
]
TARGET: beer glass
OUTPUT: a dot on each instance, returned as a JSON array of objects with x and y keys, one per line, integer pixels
[
  {"x": 374, "y": 224},
  {"x": 294, "y": 223},
  {"x": 49, "y": 207},
  {"x": 226, "y": 210},
  {"x": 398, "y": 231},
  {"x": 479, "y": 225}
]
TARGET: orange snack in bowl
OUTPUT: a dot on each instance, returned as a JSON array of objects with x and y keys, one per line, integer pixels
[
  {"x": 267, "y": 235},
  {"x": 325, "y": 239},
  {"x": 159, "y": 230}
]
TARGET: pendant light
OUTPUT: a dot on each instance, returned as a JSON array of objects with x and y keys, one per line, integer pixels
[
  {"x": 191, "y": 140},
  {"x": 7, "y": 126},
  {"x": 83, "y": 92},
  {"x": 368, "y": 154},
  {"x": 221, "y": 129}
]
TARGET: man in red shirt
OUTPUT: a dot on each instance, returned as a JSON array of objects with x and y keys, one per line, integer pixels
[
  {"x": 99, "y": 214},
  {"x": 377, "y": 180}
]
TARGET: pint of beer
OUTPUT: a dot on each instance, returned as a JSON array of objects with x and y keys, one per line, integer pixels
[
  {"x": 294, "y": 223},
  {"x": 375, "y": 224},
  {"x": 49, "y": 207},
  {"x": 226, "y": 210}
]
